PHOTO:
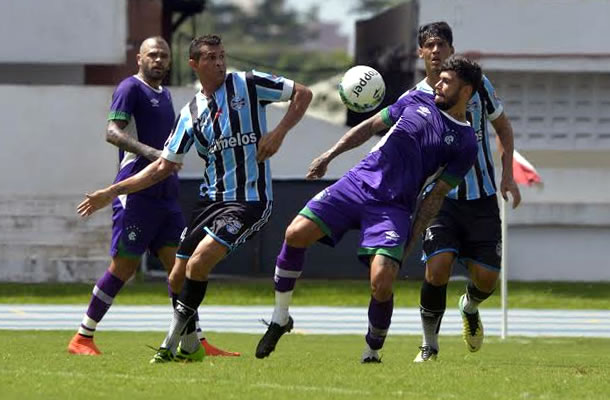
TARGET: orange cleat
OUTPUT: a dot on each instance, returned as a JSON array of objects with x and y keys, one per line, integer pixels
[
  {"x": 215, "y": 351},
  {"x": 83, "y": 345}
]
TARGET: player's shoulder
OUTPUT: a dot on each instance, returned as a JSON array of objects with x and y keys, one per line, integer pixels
[{"x": 129, "y": 83}]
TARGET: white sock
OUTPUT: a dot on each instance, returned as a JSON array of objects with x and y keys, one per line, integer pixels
[
  {"x": 199, "y": 331},
  {"x": 90, "y": 324},
  {"x": 470, "y": 306},
  {"x": 280, "y": 312}
]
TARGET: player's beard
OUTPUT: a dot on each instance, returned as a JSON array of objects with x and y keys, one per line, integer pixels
[{"x": 447, "y": 101}]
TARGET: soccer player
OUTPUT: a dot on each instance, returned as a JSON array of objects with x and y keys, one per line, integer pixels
[
  {"x": 468, "y": 225},
  {"x": 431, "y": 140},
  {"x": 140, "y": 121},
  {"x": 227, "y": 123}
]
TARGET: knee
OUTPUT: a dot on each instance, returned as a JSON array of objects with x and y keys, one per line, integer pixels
[
  {"x": 175, "y": 282},
  {"x": 381, "y": 288},
  {"x": 438, "y": 275},
  {"x": 295, "y": 236}
]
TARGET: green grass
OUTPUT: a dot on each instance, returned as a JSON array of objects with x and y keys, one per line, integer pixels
[
  {"x": 35, "y": 365},
  {"x": 572, "y": 295}
]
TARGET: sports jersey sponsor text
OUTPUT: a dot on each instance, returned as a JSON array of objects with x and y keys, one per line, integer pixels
[{"x": 232, "y": 142}]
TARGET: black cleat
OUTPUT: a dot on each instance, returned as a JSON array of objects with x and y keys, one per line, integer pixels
[{"x": 271, "y": 337}]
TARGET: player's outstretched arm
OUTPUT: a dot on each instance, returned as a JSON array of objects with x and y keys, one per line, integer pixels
[
  {"x": 352, "y": 139},
  {"x": 116, "y": 135},
  {"x": 153, "y": 173},
  {"x": 428, "y": 209},
  {"x": 299, "y": 102},
  {"x": 504, "y": 130}
]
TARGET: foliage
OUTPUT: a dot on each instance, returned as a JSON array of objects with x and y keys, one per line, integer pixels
[{"x": 270, "y": 38}]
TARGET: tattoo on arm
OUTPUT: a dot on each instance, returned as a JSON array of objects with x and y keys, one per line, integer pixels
[
  {"x": 119, "y": 138},
  {"x": 427, "y": 210}
]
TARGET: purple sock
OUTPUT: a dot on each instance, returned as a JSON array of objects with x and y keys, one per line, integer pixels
[
  {"x": 104, "y": 291},
  {"x": 380, "y": 317},
  {"x": 288, "y": 268}
]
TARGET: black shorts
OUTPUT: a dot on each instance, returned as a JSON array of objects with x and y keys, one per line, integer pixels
[
  {"x": 469, "y": 228},
  {"x": 230, "y": 223}
]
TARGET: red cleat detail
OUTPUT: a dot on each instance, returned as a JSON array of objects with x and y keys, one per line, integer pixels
[
  {"x": 83, "y": 345},
  {"x": 215, "y": 351}
]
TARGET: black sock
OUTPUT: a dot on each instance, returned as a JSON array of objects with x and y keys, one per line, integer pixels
[{"x": 433, "y": 302}]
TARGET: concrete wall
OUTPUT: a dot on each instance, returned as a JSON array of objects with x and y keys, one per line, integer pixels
[
  {"x": 548, "y": 35},
  {"x": 63, "y": 31}
]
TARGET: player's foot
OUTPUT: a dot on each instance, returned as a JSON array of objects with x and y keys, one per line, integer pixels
[
  {"x": 426, "y": 353},
  {"x": 162, "y": 356},
  {"x": 213, "y": 351},
  {"x": 271, "y": 337},
  {"x": 370, "y": 356},
  {"x": 196, "y": 356},
  {"x": 473, "y": 328},
  {"x": 83, "y": 345}
]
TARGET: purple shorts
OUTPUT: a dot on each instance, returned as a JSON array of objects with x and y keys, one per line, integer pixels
[
  {"x": 143, "y": 223},
  {"x": 384, "y": 228}
]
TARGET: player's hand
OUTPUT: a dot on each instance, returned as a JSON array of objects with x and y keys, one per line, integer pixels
[
  {"x": 509, "y": 185},
  {"x": 269, "y": 145},
  {"x": 94, "y": 201},
  {"x": 318, "y": 168}
]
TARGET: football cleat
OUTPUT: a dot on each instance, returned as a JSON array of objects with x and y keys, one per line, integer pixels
[
  {"x": 472, "y": 332},
  {"x": 214, "y": 351},
  {"x": 271, "y": 337},
  {"x": 83, "y": 345},
  {"x": 196, "y": 356},
  {"x": 426, "y": 353},
  {"x": 162, "y": 356},
  {"x": 370, "y": 356}
]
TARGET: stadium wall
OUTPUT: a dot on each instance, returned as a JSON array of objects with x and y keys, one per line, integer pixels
[{"x": 53, "y": 151}]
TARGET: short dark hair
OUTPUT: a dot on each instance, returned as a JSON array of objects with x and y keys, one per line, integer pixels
[
  {"x": 439, "y": 29},
  {"x": 467, "y": 70},
  {"x": 195, "y": 47}
]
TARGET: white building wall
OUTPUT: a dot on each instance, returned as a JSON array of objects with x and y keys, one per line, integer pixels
[{"x": 63, "y": 31}]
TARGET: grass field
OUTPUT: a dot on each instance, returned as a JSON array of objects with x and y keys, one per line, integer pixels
[
  {"x": 564, "y": 295},
  {"x": 35, "y": 365}
]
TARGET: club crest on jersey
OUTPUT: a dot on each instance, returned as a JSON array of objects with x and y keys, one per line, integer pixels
[
  {"x": 237, "y": 103},
  {"x": 449, "y": 139}
]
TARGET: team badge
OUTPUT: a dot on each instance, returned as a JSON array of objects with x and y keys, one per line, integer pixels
[
  {"x": 132, "y": 232},
  {"x": 449, "y": 139},
  {"x": 237, "y": 103}
]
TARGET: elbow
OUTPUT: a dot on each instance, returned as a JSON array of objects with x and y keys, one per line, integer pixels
[{"x": 304, "y": 95}]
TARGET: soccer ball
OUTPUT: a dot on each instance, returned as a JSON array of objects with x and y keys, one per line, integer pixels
[{"x": 362, "y": 89}]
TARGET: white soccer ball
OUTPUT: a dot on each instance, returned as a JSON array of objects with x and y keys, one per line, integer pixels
[{"x": 362, "y": 89}]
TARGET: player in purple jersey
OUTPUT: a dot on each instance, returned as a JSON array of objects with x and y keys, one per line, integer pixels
[
  {"x": 218, "y": 225},
  {"x": 431, "y": 140},
  {"x": 140, "y": 120}
]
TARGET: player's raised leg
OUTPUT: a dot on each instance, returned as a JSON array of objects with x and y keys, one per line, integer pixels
[
  {"x": 104, "y": 292},
  {"x": 300, "y": 234},
  {"x": 381, "y": 306}
]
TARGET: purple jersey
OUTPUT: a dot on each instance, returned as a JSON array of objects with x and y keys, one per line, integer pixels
[
  {"x": 424, "y": 142},
  {"x": 149, "y": 114}
]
